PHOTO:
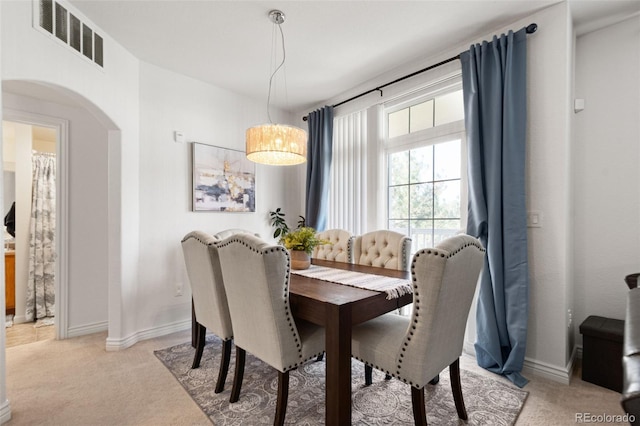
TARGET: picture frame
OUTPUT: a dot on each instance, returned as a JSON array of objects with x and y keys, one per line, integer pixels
[{"x": 223, "y": 180}]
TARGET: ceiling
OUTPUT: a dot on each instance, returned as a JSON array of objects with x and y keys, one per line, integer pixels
[{"x": 331, "y": 46}]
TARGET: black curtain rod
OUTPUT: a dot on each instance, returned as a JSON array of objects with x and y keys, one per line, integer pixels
[{"x": 531, "y": 28}]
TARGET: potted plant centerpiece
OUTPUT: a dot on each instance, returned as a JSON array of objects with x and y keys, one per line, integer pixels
[{"x": 300, "y": 242}]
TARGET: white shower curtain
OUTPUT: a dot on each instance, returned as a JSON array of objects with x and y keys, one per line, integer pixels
[{"x": 42, "y": 254}]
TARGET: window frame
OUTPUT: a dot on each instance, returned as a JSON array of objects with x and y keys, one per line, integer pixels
[{"x": 426, "y": 137}]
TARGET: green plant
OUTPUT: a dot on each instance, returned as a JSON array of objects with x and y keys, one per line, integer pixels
[
  {"x": 302, "y": 222},
  {"x": 303, "y": 239},
  {"x": 278, "y": 222}
]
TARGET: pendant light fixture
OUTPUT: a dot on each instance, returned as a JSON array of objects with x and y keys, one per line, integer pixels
[{"x": 276, "y": 144}]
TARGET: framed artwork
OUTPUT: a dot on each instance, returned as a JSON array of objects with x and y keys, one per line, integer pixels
[{"x": 223, "y": 180}]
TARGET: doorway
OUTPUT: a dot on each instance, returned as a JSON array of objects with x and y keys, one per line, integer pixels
[
  {"x": 30, "y": 140},
  {"x": 29, "y": 153}
]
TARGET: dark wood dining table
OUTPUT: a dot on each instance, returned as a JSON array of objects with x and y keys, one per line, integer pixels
[{"x": 338, "y": 307}]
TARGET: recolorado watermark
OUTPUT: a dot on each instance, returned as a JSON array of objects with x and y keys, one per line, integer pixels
[{"x": 604, "y": 418}]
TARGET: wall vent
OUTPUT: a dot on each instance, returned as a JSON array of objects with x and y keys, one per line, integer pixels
[{"x": 55, "y": 19}]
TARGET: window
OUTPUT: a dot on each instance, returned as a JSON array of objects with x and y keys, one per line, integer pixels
[
  {"x": 425, "y": 164},
  {"x": 424, "y": 193},
  {"x": 400, "y": 163}
]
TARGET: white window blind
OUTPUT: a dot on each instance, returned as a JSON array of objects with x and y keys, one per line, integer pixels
[{"x": 348, "y": 191}]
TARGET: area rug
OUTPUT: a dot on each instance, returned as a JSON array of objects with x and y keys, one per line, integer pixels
[{"x": 385, "y": 402}]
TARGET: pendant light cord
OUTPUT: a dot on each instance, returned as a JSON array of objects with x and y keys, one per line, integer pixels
[{"x": 284, "y": 56}]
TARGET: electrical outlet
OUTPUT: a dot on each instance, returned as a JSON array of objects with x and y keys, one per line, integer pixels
[
  {"x": 178, "y": 290},
  {"x": 570, "y": 318}
]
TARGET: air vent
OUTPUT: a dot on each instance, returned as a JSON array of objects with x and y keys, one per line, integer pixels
[{"x": 67, "y": 27}]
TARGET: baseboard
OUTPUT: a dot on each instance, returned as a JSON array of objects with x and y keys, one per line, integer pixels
[
  {"x": 19, "y": 319},
  {"x": 538, "y": 368},
  {"x": 5, "y": 412},
  {"x": 82, "y": 330},
  {"x": 549, "y": 371},
  {"x": 123, "y": 343},
  {"x": 469, "y": 348}
]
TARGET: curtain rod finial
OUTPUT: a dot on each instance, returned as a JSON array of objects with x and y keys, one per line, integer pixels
[{"x": 532, "y": 28}]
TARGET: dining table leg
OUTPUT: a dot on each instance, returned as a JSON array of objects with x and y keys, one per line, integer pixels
[{"x": 338, "y": 370}]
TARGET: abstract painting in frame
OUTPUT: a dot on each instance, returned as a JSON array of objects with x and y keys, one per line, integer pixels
[{"x": 223, "y": 180}]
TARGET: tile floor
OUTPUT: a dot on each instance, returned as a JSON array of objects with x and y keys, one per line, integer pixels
[{"x": 21, "y": 334}]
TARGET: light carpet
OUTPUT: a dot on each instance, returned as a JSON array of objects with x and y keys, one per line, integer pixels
[{"x": 488, "y": 401}]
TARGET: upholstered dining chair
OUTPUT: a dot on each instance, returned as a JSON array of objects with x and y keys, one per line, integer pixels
[
  {"x": 233, "y": 231},
  {"x": 209, "y": 298},
  {"x": 256, "y": 280},
  {"x": 384, "y": 249},
  {"x": 415, "y": 349},
  {"x": 339, "y": 249}
]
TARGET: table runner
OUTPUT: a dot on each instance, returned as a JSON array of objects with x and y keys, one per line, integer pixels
[{"x": 394, "y": 287}]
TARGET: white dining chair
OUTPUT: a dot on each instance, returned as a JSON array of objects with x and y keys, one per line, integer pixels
[
  {"x": 415, "y": 349},
  {"x": 233, "y": 231},
  {"x": 383, "y": 249},
  {"x": 256, "y": 280},
  {"x": 339, "y": 248},
  {"x": 209, "y": 298}
]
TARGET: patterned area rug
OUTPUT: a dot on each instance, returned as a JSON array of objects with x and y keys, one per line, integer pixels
[{"x": 488, "y": 401}]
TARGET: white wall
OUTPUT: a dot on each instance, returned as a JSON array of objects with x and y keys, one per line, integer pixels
[
  {"x": 607, "y": 179},
  {"x": 111, "y": 95},
  {"x": 139, "y": 174},
  {"x": 205, "y": 114},
  {"x": 548, "y": 189},
  {"x": 549, "y": 56}
]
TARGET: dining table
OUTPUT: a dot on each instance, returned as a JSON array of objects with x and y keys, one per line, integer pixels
[{"x": 338, "y": 307}]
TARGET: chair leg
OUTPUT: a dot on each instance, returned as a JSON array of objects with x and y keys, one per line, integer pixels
[
  {"x": 283, "y": 396},
  {"x": 456, "y": 388},
  {"x": 368, "y": 371},
  {"x": 201, "y": 339},
  {"x": 419, "y": 410},
  {"x": 224, "y": 366},
  {"x": 435, "y": 380},
  {"x": 320, "y": 357},
  {"x": 241, "y": 354}
]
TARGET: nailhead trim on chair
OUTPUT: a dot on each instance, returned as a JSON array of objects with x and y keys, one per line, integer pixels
[
  {"x": 416, "y": 308},
  {"x": 195, "y": 237},
  {"x": 274, "y": 249},
  {"x": 405, "y": 255}
]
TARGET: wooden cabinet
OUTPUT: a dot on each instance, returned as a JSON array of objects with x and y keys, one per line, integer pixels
[{"x": 10, "y": 281}]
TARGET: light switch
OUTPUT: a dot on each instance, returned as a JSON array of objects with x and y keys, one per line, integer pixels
[
  {"x": 534, "y": 219},
  {"x": 178, "y": 136}
]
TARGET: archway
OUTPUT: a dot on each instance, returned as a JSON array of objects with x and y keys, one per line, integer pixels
[{"x": 88, "y": 236}]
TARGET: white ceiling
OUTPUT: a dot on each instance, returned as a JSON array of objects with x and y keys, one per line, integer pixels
[{"x": 332, "y": 46}]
